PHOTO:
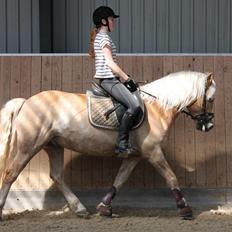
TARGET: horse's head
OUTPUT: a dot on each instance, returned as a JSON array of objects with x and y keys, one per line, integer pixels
[{"x": 201, "y": 109}]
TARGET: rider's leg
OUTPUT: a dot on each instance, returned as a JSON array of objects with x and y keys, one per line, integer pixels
[
  {"x": 118, "y": 91},
  {"x": 127, "y": 122}
]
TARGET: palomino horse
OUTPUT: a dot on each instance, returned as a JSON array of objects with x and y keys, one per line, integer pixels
[{"x": 52, "y": 120}]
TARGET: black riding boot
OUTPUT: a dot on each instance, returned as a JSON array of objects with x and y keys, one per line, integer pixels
[{"x": 123, "y": 146}]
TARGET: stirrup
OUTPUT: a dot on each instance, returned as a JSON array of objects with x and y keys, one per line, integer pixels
[{"x": 124, "y": 152}]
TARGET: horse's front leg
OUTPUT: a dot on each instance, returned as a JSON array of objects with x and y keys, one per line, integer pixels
[
  {"x": 157, "y": 159},
  {"x": 56, "y": 158},
  {"x": 127, "y": 166}
]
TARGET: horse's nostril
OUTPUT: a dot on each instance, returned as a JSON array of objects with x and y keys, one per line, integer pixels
[{"x": 210, "y": 100}]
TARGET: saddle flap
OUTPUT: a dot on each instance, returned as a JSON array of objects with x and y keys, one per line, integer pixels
[{"x": 98, "y": 106}]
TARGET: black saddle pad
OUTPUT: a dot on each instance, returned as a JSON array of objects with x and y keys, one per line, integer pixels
[{"x": 98, "y": 106}]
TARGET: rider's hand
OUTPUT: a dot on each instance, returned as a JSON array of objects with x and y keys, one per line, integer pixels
[{"x": 131, "y": 84}]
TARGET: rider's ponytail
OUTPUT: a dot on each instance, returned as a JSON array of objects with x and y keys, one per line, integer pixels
[{"x": 91, "y": 44}]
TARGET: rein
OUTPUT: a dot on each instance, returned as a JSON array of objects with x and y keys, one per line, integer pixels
[
  {"x": 148, "y": 93},
  {"x": 194, "y": 117},
  {"x": 140, "y": 90}
]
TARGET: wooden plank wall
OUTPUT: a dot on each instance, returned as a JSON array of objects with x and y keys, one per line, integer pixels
[{"x": 198, "y": 159}]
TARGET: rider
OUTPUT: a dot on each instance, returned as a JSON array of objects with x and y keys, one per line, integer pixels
[{"x": 110, "y": 74}]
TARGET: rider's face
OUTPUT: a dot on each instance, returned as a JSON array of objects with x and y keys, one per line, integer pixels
[{"x": 111, "y": 21}]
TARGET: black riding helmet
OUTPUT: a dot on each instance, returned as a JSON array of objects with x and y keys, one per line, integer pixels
[{"x": 103, "y": 12}]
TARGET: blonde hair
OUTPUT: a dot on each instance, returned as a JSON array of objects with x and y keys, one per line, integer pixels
[{"x": 93, "y": 33}]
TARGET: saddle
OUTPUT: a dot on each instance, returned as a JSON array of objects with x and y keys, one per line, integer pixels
[{"x": 105, "y": 112}]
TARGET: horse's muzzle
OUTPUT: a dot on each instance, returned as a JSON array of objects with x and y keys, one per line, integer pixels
[{"x": 205, "y": 121}]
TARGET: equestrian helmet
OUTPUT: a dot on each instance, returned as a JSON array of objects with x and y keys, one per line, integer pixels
[{"x": 103, "y": 12}]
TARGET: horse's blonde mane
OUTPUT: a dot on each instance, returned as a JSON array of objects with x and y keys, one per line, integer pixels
[{"x": 176, "y": 89}]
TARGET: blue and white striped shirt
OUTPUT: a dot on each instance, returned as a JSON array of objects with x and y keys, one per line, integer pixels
[{"x": 102, "y": 69}]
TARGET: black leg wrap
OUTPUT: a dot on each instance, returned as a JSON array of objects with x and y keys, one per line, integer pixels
[
  {"x": 180, "y": 201},
  {"x": 107, "y": 199},
  {"x": 185, "y": 210},
  {"x": 105, "y": 208}
]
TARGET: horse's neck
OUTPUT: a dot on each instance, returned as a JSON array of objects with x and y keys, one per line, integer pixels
[{"x": 158, "y": 114}]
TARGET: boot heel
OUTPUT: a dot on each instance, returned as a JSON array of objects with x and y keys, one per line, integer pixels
[{"x": 123, "y": 152}]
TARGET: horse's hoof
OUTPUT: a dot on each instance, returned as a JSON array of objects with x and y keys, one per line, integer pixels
[
  {"x": 83, "y": 214},
  {"x": 104, "y": 210},
  {"x": 78, "y": 209},
  {"x": 186, "y": 213}
]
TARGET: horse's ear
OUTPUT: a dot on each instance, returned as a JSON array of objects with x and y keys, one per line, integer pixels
[{"x": 209, "y": 78}]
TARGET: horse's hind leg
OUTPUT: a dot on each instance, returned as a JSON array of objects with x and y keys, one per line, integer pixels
[
  {"x": 127, "y": 166},
  {"x": 12, "y": 171},
  {"x": 56, "y": 158},
  {"x": 157, "y": 159}
]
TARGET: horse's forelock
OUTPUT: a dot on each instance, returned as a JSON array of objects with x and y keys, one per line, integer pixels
[{"x": 176, "y": 89}]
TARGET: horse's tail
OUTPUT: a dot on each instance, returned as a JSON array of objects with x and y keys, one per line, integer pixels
[{"x": 7, "y": 115}]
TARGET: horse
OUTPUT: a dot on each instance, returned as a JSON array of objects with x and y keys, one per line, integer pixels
[{"x": 53, "y": 120}]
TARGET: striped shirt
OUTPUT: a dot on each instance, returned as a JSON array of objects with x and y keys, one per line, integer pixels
[{"x": 102, "y": 69}]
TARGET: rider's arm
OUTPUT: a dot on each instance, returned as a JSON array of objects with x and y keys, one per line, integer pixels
[{"x": 112, "y": 65}]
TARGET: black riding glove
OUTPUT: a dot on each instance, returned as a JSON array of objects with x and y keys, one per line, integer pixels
[{"x": 131, "y": 85}]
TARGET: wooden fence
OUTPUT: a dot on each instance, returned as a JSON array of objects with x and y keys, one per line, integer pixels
[{"x": 198, "y": 159}]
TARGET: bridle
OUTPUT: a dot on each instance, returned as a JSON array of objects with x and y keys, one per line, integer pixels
[{"x": 203, "y": 118}]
